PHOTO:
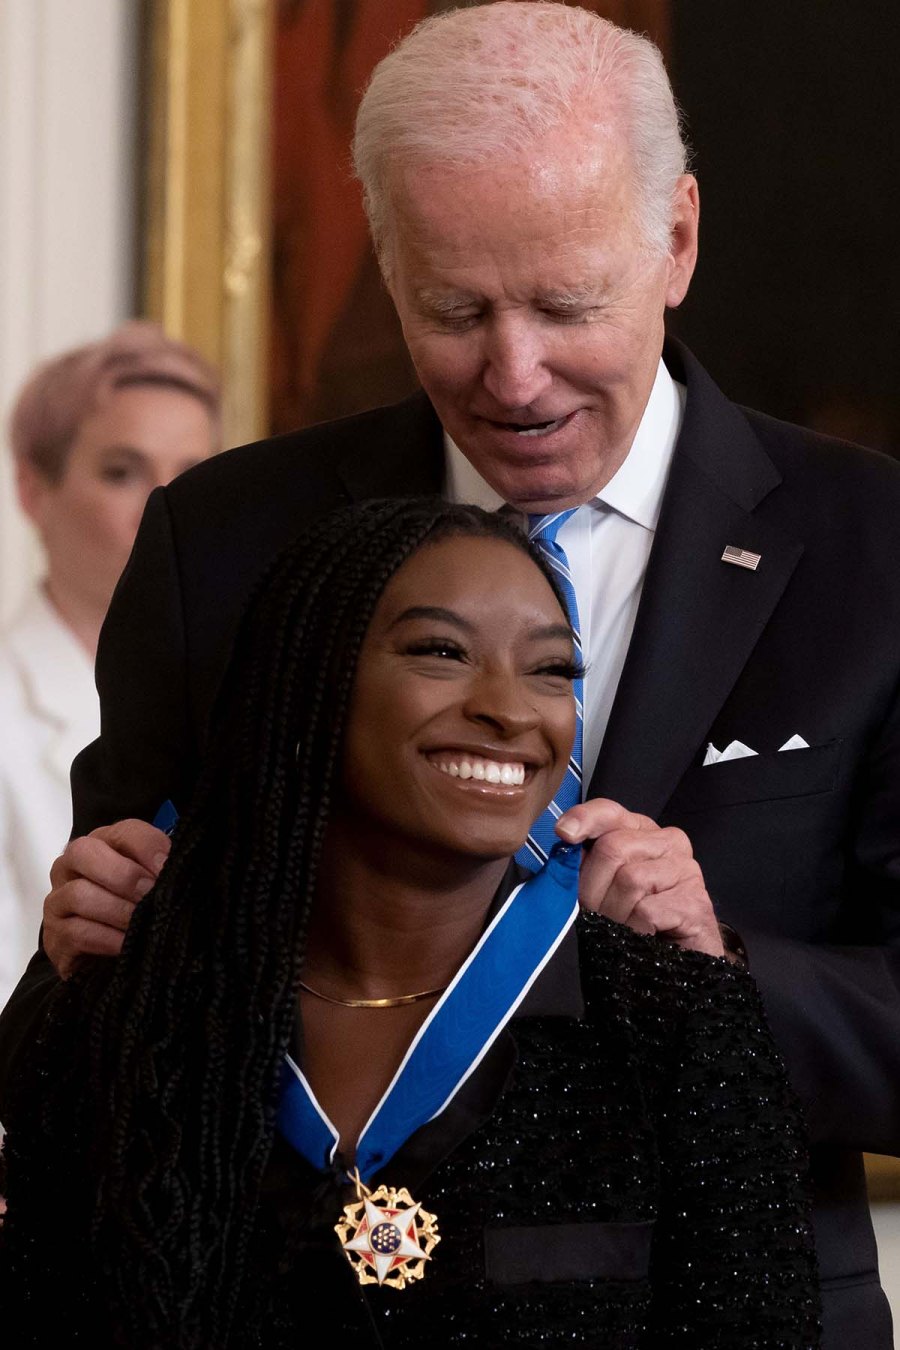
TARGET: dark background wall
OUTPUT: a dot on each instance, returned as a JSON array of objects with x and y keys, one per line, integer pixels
[{"x": 793, "y": 109}]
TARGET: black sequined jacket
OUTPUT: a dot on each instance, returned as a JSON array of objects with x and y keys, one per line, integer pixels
[{"x": 624, "y": 1170}]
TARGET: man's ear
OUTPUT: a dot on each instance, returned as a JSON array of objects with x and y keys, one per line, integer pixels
[{"x": 682, "y": 257}]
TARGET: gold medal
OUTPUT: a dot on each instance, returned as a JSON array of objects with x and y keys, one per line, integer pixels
[{"x": 387, "y": 1237}]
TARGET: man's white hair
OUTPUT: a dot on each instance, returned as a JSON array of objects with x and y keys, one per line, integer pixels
[{"x": 475, "y": 85}]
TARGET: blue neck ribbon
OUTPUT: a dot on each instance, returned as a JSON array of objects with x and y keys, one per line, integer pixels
[{"x": 459, "y": 1031}]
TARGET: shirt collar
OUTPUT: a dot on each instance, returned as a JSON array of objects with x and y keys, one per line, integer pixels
[
  {"x": 635, "y": 490},
  {"x": 463, "y": 484}
]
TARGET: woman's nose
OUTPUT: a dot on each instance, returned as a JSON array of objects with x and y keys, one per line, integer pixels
[{"x": 499, "y": 701}]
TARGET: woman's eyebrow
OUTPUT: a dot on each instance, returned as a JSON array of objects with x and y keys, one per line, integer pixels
[
  {"x": 551, "y": 630},
  {"x": 122, "y": 451},
  {"x": 435, "y": 613}
]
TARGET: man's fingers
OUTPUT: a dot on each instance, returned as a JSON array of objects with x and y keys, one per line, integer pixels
[
  {"x": 83, "y": 919},
  {"x": 681, "y": 916},
  {"x": 642, "y": 875},
  {"x": 588, "y": 820},
  {"x": 676, "y": 917},
  {"x": 682, "y": 912},
  {"x": 76, "y": 938},
  {"x": 84, "y": 899},
  {"x": 650, "y": 886},
  {"x": 85, "y": 938},
  {"x": 136, "y": 839},
  {"x": 97, "y": 880},
  {"x": 653, "y": 884},
  {"x": 101, "y": 858},
  {"x": 623, "y": 848},
  {"x": 92, "y": 860}
]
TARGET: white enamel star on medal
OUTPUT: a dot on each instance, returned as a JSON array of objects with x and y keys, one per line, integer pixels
[{"x": 387, "y": 1237}]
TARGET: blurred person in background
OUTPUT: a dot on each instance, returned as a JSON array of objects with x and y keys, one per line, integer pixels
[{"x": 92, "y": 433}]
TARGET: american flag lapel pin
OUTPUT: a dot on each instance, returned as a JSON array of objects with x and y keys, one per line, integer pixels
[{"x": 741, "y": 557}]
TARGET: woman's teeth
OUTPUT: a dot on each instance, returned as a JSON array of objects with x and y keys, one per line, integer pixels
[{"x": 483, "y": 770}]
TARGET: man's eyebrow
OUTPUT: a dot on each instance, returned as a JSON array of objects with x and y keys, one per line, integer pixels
[
  {"x": 573, "y": 297},
  {"x": 444, "y": 303}
]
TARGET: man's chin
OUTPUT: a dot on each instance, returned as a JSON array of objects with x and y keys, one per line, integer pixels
[
  {"x": 538, "y": 482},
  {"x": 534, "y": 497}
]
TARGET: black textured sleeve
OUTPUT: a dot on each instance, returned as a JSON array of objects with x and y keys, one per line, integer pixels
[{"x": 733, "y": 1261}]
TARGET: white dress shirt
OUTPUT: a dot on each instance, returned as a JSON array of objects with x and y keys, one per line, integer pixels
[
  {"x": 48, "y": 712},
  {"x": 607, "y": 542}
]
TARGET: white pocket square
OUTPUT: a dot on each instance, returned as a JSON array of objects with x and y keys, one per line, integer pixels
[
  {"x": 738, "y": 750},
  {"x": 795, "y": 743}
]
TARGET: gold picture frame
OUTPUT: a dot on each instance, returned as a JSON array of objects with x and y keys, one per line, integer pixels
[
  {"x": 205, "y": 273},
  {"x": 883, "y": 1178}
]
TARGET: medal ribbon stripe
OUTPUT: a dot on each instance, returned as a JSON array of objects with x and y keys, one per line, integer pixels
[
  {"x": 300, "y": 1117},
  {"x": 458, "y": 1032},
  {"x": 542, "y": 531}
]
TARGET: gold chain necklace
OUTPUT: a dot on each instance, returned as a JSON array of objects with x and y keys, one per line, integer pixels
[{"x": 372, "y": 1002}]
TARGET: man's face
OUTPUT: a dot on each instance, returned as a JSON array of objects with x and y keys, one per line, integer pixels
[{"x": 533, "y": 312}]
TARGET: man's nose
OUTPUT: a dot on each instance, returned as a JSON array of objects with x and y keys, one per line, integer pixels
[
  {"x": 515, "y": 371},
  {"x": 497, "y": 700}
]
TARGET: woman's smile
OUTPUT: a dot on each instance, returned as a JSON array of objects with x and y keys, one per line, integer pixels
[
  {"x": 468, "y": 666},
  {"x": 480, "y": 771}
]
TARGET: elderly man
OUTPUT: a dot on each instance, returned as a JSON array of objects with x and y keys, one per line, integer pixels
[{"x": 526, "y": 187}]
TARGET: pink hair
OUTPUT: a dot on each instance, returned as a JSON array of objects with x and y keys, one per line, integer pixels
[{"x": 63, "y": 391}]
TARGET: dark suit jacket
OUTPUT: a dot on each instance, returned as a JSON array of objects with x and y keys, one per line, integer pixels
[{"x": 800, "y": 849}]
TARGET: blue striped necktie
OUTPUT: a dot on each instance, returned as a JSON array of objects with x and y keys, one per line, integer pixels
[{"x": 542, "y": 531}]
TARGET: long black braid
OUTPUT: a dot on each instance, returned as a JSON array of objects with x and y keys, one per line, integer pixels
[{"x": 180, "y": 1040}]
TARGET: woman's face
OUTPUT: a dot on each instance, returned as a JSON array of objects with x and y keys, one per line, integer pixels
[
  {"x": 139, "y": 438},
  {"x": 463, "y": 714}
]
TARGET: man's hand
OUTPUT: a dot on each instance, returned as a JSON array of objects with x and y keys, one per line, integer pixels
[
  {"x": 642, "y": 875},
  {"x": 97, "y": 881}
]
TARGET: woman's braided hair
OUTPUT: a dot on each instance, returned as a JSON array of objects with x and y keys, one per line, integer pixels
[{"x": 181, "y": 1039}]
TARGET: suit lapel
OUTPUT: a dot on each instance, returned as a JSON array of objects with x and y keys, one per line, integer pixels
[
  {"x": 403, "y": 457},
  {"x": 699, "y": 618}
]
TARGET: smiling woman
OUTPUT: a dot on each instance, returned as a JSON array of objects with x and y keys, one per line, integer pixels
[
  {"x": 352, "y": 1068},
  {"x": 457, "y": 698}
]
